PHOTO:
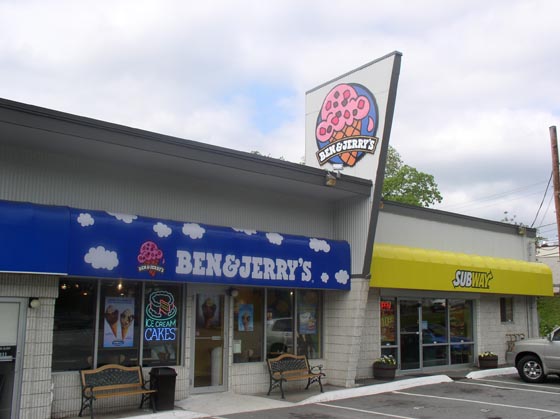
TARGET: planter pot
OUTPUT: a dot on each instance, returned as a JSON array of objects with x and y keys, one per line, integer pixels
[
  {"x": 487, "y": 362},
  {"x": 384, "y": 371}
]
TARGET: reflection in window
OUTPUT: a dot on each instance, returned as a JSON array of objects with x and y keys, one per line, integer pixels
[
  {"x": 434, "y": 323},
  {"x": 162, "y": 320},
  {"x": 461, "y": 331},
  {"x": 279, "y": 322},
  {"x": 74, "y": 325},
  {"x": 248, "y": 327},
  {"x": 309, "y": 323}
]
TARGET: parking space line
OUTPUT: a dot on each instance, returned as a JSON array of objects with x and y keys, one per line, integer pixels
[
  {"x": 477, "y": 402},
  {"x": 371, "y": 412},
  {"x": 519, "y": 384},
  {"x": 509, "y": 388}
]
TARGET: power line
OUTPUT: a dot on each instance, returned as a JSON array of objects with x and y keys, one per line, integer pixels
[{"x": 542, "y": 201}]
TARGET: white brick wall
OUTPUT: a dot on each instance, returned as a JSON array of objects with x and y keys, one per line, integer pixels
[
  {"x": 35, "y": 402},
  {"x": 344, "y": 318},
  {"x": 491, "y": 332}
]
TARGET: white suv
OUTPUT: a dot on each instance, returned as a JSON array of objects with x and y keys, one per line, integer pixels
[{"x": 537, "y": 358}]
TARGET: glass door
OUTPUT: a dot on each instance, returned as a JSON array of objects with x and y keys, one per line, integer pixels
[
  {"x": 209, "y": 341},
  {"x": 409, "y": 314},
  {"x": 11, "y": 329}
]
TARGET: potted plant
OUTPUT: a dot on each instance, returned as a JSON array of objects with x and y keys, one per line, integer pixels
[
  {"x": 487, "y": 360},
  {"x": 384, "y": 368}
]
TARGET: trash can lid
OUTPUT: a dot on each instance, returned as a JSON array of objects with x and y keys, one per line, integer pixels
[{"x": 163, "y": 371}]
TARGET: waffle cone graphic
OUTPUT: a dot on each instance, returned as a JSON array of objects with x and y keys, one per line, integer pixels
[
  {"x": 353, "y": 130},
  {"x": 124, "y": 332},
  {"x": 114, "y": 328}
]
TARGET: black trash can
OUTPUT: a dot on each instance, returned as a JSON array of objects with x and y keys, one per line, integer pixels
[{"x": 163, "y": 380}]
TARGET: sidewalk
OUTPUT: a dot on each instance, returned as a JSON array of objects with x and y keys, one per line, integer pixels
[{"x": 216, "y": 404}]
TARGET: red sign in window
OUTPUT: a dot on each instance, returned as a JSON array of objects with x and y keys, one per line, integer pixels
[{"x": 386, "y": 305}]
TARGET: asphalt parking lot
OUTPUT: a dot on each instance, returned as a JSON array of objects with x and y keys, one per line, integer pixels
[{"x": 495, "y": 397}]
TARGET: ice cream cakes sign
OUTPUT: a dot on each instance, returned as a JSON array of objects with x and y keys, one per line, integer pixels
[{"x": 346, "y": 125}]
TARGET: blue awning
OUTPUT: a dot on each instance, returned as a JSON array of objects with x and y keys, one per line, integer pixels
[{"x": 68, "y": 241}]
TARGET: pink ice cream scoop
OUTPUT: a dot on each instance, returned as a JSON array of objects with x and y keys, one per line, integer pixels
[{"x": 342, "y": 108}]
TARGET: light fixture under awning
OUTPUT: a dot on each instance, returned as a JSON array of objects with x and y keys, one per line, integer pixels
[{"x": 422, "y": 269}]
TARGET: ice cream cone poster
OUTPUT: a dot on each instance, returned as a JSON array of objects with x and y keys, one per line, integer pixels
[
  {"x": 245, "y": 319},
  {"x": 118, "y": 322},
  {"x": 208, "y": 315}
]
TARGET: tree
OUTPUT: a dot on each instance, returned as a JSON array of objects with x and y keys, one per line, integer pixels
[{"x": 405, "y": 184}]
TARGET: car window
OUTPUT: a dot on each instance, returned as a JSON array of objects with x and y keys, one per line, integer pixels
[{"x": 282, "y": 325}]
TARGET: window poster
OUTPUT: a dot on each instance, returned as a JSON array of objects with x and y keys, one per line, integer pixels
[
  {"x": 119, "y": 322},
  {"x": 208, "y": 311},
  {"x": 307, "y": 319},
  {"x": 245, "y": 322}
]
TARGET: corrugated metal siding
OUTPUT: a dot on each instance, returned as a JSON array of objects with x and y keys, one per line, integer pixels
[
  {"x": 60, "y": 180},
  {"x": 352, "y": 223},
  {"x": 413, "y": 232}
]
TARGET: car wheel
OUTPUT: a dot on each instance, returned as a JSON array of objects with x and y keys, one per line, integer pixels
[{"x": 530, "y": 369}]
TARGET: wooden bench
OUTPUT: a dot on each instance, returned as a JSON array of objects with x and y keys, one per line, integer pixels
[
  {"x": 288, "y": 367},
  {"x": 113, "y": 381}
]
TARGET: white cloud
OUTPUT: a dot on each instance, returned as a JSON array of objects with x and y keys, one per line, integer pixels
[
  {"x": 85, "y": 220},
  {"x": 342, "y": 277},
  {"x": 275, "y": 238},
  {"x": 247, "y": 232},
  {"x": 100, "y": 258},
  {"x": 194, "y": 231},
  {"x": 162, "y": 230},
  {"x": 325, "y": 277},
  {"x": 125, "y": 218},
  {"x": 319, "y": 245}
]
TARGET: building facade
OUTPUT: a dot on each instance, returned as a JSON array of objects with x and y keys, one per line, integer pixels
[{"x": 125, "y": 246}]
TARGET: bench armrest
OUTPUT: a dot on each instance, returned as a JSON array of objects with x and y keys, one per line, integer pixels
[
  {"x": 316, "y": 367},
  {"x": 87, "y": 391}
]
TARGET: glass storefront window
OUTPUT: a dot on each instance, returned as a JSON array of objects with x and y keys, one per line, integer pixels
[
  {"x": 445, "y": 325},
  {"x": 309, "y": 340},
  {"x": 279, "y": 322},
  {"x": 248, "y": 325},
  {"x": 119, "y": 331},
  {"x": 74, "y": 325},
  {"x": 162, "y": 324},
  {"x": 388, "y": 317},
  {"x": 461, "y": 331}
]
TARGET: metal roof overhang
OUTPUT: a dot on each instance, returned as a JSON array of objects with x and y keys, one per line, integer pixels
[
  {"x": 28, "y": 126},
  {"x": 423, "y": 269}
]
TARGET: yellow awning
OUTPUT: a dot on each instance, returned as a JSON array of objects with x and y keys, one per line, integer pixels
[{"x": 422, "y": 269}]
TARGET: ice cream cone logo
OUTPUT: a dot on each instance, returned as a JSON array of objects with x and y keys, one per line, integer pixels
[
  {"x": 346, "y": 125},
  {"x": 150, "y": 257}
]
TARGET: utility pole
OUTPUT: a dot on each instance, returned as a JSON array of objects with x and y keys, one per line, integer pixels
[{"x": 555, "y": 177}]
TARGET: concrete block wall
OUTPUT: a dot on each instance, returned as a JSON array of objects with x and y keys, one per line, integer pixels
[
  {"x": 371, "y": 337},
  {"x": 344, "y": 319},
  {"x": 491, "y": 332},
  {"x": 36, "y": 382}
]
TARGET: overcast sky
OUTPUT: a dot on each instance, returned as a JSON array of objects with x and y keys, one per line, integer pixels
[{"x": 479, "y": 84}]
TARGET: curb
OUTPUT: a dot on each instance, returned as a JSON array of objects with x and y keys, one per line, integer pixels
[
  {"x": 375, "y": 389},
  {"x": 491, "y": 372}
]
